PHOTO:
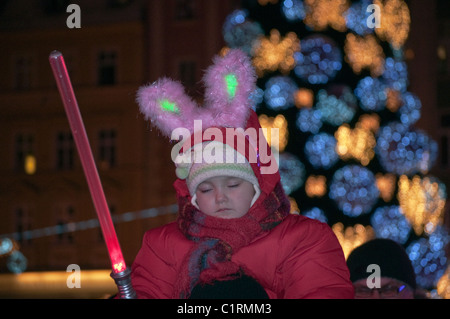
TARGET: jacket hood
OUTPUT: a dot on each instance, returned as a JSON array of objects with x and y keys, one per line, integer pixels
[{"x": 250, "y": 142}]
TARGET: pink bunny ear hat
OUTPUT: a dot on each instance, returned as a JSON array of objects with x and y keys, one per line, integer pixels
[{"x": 229, "y": 83}]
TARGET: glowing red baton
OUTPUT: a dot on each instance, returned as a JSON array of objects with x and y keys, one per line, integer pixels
[{"x": 120, "y": 273}]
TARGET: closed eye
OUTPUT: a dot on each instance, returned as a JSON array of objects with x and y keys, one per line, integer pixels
[{"x": 234, "y": 185}]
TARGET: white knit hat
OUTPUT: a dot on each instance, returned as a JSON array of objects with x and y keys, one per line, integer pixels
[{"x": 211, "y": 159}]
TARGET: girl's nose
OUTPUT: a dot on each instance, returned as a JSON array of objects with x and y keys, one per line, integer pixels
[{"x": 221, "y": 195}]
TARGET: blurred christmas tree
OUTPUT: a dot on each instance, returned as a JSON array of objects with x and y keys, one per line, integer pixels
[{"x": 332, "y": 77}]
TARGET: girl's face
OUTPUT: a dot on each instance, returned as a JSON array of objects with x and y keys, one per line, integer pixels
[{"x": 225, "y": 197}]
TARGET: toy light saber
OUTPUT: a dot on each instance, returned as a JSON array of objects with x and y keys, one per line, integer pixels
[{"x": 120, "y": 272}]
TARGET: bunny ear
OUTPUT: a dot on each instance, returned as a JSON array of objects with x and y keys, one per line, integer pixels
[
  {"x": 229, "y": 82},
  {"x": 167, "y": 106}
]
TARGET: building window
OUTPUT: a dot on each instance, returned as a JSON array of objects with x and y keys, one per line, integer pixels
[
  {"x": 25, "y": 160},
  {"x": 184, "y": 9},
  {"x": 65, "y": 151},
  {"x": 22, "y": 72},
  {"x": 187, "y": 70},
  {"x": 107, "y": 67},
  {"x": 443, "y": 98},
  {"x": 22, "y": 224},
  {"x": 442, "y": 59},
  {"x": 65, "y": 216},
  {"x": 55, "y": 6},
  {"x": 107, "y": 148}
]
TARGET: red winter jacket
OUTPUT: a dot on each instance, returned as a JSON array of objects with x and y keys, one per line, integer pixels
[{"x": 299, "y": 258}]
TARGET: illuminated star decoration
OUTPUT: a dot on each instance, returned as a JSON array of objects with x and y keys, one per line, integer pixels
[
  {"x": 323, "y": 13},
  {"x": 276, "y": 53},
  {"x": 358, "y": 143},
  {"x": 279, "y": 122},
  {"x": 395, "y": 22},
  {"x": 364, "y": 52},
  {"x": 422, "y": 202},
  {"x": 352, "y": 236}
]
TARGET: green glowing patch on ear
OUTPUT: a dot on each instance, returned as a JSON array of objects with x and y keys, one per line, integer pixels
[
  {"x": 166, "y": 105},
  {"x": 232, "y": 83}
]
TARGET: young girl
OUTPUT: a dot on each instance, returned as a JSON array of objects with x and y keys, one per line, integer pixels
[{"x": 234, "y": 236}]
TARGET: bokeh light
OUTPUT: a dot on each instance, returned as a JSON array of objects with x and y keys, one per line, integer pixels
[
  {"x": 371, "y": 93},
  {"x": 316, "y": 186},
  {"x": 410, "y": 110},
  {"x": 279, "y": 122},
  {"x": 323, "y": 13},
  {"x": 443, "y": 285},
  {"x": 395, "y": 22},
  {"x": 395, "y": 74},
  {"x": 364, "y": 53},
  {"x": 386, "y": 185},
  {"x": 422, "y": 201},
  {"x": 304, "y": 98},
  {"x": 356, "y": 17},
  {"x": 292, "y": 172},
  {"x": 402, "y": 150},
  {"x": 337, "y": 104},
  {"x": 358, "y": 143},
  {"x": 320, "y": 150},
  {"x": 293, "y": 10},
  {"x": 240, "y": 32},
  {"x": 309, "y": 120},
  {"x": 370, "y": 122},
  {"x": 354, "y": 190},
  {"x": 352, "y": 236},
  {"x": 16, "y": 262},
  {"x": 6, "y": 246},
  {"x": 319, "y": 59},
  {"x": 316, "y": 213},
  {"x": 393, "y": 100},
  {"x": 280, "y": 93},
  {"x": 276, "y": 53},
  {"x": 389, "y": 222},
  {"x": 428, "y": 257}
]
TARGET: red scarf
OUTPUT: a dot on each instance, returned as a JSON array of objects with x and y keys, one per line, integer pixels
[{"x": 217, "y": 239}]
